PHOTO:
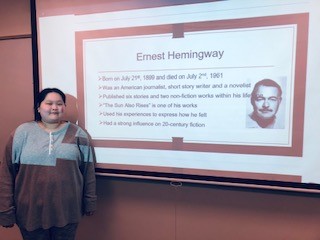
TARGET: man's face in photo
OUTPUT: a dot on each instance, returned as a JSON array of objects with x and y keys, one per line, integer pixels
[{"x": 266, "y": 102}]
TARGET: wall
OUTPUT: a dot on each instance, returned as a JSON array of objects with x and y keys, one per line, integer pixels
[
  {"x": 15, "y": 18},
  {"x": 16, "y": 92},
  {"x": 131, "y": 209},
  {"x": 144, "y": 210}
]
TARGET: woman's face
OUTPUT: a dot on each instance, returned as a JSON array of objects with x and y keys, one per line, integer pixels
[{"x": 52, "y": 108}]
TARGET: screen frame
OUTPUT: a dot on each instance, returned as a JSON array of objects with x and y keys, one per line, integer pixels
[{"x": 172, "y": 174}]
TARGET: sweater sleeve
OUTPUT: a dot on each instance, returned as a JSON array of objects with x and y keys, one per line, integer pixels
[
  {"x": 88, "y": 170},
  {"x": 7, "y": 179},
  {"x": 89, "y": 195}
]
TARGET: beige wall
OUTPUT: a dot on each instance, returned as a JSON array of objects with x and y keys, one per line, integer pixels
[{"x": 151, "y": 210}]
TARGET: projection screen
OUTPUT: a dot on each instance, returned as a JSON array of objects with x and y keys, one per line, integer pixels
[{"x": 166, "y": 89}]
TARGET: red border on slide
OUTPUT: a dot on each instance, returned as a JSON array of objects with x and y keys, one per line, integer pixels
[{"x": 301, "y": 20}]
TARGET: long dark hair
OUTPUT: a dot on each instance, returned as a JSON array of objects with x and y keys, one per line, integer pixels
[{"x": 42, "y": 95}]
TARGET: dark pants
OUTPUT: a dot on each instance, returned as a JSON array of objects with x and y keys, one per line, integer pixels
[{"x": 67, "y": 232}]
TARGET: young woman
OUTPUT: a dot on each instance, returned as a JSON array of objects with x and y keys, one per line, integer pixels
[{"x": 47, "y": 178}]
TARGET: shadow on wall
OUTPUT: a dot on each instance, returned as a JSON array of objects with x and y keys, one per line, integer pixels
[{"x": 71, "y": 113}]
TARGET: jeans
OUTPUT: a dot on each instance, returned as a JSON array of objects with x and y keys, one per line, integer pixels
[{"x": 67, "y": 232}]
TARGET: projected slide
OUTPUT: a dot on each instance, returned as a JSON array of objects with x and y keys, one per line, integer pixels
[
  {"x": 188, "y": 86},
  {"x": 222, "y": 89}
]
